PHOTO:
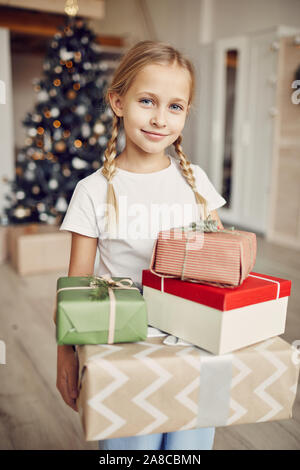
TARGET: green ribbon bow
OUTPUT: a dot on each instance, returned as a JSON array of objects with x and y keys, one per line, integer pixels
[{"x": 207, "y": 225}]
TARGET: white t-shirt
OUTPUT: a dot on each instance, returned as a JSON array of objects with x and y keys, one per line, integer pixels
[{"x": 148, "y": 203}]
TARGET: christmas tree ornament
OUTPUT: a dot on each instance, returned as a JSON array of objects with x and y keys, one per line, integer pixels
[
  {"x": 53, "y": 184},
  {"x": 41, "y": 206},
  {"x": 81, "y": 110},
  {"x": 20, "y": 194},
  {"x": 77, "y": 143},
  {"x": 61, "y": 204},
  {"x": 60, "y": 146},
  {"x": 77, "y": 56},
  {"x": 85, "y": 130},
  {"x": 78, "y": 163},
  {"x": 47, "y": 141},
  {"x": 66, "y": 55},
  {"x": 36, "y": 117},
  {"x": 56, "y": 123},
  {"x": 66, "y": 172},
  {"x": 31, "y": 166},
  {"x": 99, "y": 128},
  {"x": 32, "y": 132},
  {"x": 20, "y": 212},
  {"x": 87, "y": 65},
  {"x": 42, "y": 96},
  {"x": 71, "y": 94},
  {"x": 43, "y": 217},
  {"x": 36, "y": 189},
  {"x": 55, "y": 112},
  {"x": 102, "y": 140},
  {"x": 57, "y": 134},
  {"x": 92, "y": 140}
]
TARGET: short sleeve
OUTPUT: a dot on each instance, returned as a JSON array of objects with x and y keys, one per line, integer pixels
[
  {"x": 207, "y": 190},
  {"x": 80, "y": 216}
]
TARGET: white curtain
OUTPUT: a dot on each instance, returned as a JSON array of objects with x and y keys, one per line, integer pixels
[{"x": 7, "y": 166}]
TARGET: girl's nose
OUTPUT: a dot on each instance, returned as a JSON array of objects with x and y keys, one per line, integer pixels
[{"x": 158, "y": 119}]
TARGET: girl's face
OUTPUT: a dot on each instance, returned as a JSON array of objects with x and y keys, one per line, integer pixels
[{"x": 157, "y": 102}]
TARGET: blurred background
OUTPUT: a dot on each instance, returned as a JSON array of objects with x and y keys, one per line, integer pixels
[{"x": 244, "y": 130}]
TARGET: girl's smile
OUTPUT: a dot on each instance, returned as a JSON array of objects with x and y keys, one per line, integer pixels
[{"x": 154, "y": 135}]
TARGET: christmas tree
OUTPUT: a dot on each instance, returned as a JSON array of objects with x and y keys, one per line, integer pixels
[{"x": 68, "y": 130}]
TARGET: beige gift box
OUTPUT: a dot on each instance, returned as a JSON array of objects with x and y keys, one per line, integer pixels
[
  {"x": 36, "y": 248},
  {"x": 3, "y": 243},
  {"x": 215, "y": 330},
  {"x": 147, "y": 387}
]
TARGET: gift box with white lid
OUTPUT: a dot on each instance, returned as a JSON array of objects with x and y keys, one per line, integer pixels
[{"x": 219, "y": 320}]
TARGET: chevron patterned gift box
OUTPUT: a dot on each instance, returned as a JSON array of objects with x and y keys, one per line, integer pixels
[{"x": 151, "y": 387}]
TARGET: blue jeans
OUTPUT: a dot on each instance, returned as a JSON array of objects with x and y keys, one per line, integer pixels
[{"x": 192, "y": 439}]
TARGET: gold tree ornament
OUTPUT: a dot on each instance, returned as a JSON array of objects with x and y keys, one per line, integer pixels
[{"x": 71, "y": 7}]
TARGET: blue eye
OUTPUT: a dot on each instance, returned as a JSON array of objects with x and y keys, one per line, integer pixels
[
  {"x": 148, "y": 99},
  {"x": 145, "y": 99},
  {"x": 179, "y": 107}
]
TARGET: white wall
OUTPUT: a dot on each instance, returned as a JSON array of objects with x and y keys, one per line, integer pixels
[
  {"x": 233, "y": 17},
  {"x": 25, "y": 67}
]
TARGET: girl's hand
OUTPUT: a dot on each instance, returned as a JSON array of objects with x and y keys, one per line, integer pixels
[{"x": 67, "y": 374}]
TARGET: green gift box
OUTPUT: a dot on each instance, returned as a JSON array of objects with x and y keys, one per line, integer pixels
[{"x": 99, "y": 310}]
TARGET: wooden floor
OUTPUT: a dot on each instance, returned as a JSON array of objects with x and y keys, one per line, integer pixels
[{"x": 32, "y": 412}]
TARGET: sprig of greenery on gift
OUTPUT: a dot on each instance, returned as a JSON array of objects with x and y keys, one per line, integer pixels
[{"x": 100, "y": 290}]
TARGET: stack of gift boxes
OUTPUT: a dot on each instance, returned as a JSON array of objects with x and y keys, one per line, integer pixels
[{"x": 199, "y": 348}]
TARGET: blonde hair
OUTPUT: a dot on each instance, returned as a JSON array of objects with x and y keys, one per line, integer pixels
[{"x": 141, "y": 54}]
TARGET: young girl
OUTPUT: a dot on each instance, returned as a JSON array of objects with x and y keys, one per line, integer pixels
[{"x": 122, "y": 206}]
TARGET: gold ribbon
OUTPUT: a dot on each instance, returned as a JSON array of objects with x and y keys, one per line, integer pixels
[{"x": 111, "y": 284}]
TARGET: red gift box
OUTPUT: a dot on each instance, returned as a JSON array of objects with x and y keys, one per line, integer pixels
[
  {"x": 217, "y": 319},
  {"x": 256, "y": 288}
]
